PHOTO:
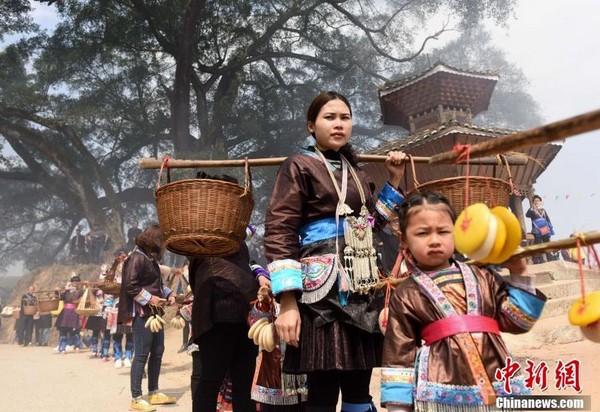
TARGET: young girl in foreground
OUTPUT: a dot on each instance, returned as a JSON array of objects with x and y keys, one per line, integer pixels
[{"x": 445, "y": 320}]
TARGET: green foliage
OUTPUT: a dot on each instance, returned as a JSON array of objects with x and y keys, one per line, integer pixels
[{"x": 14, "y": 17}]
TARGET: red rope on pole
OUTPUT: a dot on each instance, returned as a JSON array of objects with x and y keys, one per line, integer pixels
[
  {"x": 580, "y": 264},
  {"x": 464, "y": 152}
]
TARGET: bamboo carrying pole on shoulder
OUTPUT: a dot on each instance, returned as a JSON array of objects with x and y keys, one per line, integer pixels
[
  {"x": 585, "y": 239},
  {"x": 539, "y": 135},
  {"x": 151, "y": 163}
]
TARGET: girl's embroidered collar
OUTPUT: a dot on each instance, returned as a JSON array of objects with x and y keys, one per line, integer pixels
[{"x": 416, "y": 271}]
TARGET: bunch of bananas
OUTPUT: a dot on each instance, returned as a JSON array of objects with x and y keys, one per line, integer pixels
[
  {"x": 155, "y": 323},
  {"x": 178, "y": 322},
  {"x": 261, "y": 332}
]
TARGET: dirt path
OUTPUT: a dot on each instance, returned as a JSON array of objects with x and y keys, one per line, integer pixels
[{"x": 36, "y": 379}]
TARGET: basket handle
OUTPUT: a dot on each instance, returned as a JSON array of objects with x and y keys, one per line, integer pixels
[
  {"x": 414, "y": 173},
  {"x": 164, "y": 165},
  {"x": 247, "y": 178},
  {"x": 504, "y": 160}
]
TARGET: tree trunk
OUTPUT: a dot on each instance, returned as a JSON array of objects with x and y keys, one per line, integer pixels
[{"x": 180, "y": 104}]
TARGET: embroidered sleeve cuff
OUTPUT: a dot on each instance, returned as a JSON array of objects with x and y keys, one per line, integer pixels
[
  {"x": 286, "y": 275},
  {"x": 523, "y": 308},
  {"x": 143, "y": 297},
  {"x": 397, "y": 386},
  {"x": 167, "y": 291},
  {"x": 258, "y": 270},
  {"x": 387, "y": 199}
]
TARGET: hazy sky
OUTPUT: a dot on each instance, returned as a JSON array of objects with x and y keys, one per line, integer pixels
[{"x": 556, "y": 44}]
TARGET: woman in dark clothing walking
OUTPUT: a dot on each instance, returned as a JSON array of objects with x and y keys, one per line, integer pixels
[
  {"x": 142, "y": 295},
  {"x": 223, "y": 289}
]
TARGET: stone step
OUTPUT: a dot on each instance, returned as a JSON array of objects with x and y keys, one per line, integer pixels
[
  {"x": 560, "y": 270},
  {"x": 558, "y": 306},
  {"x": 565, "y": 288},
  {"x": 560, "y": 282}
]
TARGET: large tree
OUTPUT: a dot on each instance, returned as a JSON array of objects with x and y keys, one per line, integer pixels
[{"x": 120, "y": 79}]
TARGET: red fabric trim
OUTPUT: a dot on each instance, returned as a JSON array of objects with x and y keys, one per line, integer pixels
[{"x": 453, "y": 325}]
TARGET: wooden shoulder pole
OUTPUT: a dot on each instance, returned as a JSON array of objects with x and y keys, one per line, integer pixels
[
  {"x": 151, "y": 163},
  {"x": 544, "y": 134}
]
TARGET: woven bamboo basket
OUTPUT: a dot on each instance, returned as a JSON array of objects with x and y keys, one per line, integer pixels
[
  {"x": 48, "y": 304},
  {"x": 16, "y": 313},
  {"x": 204, "y": 217},
  {"x": 30, "y": 310},
  {"x": 489, "y": 190},
  {"x": 109, "y": 286}
]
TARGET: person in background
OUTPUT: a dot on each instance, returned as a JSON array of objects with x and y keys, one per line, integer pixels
[
  {"x": 121, "y": 250},
  {"x": 122, "y": 357},
  {"x": 18, "y": 329},
  {"x": 96, "y": 240},
  {"x": 96, "y": 324},
  {"x": 77, "y": 247},
  {"x": 270, "y": 386},
  {"x": 109, "y": 312},
  {"x": 223, "y": 289},
  {"x": 68, "y": 322},
  {"x": 28, "y": 300},
  {"x": 541, "y": 227},
  {"x": 42, "y": 329},
  {"x": 142, "y": 295},
  {"x": 133, "y": 232},
  {"x": 180, "y": 277}
]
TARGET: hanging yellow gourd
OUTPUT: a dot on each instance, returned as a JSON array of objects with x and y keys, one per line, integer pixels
[
  {"x": 487, "y": 236},
  {"x": 471, "y": 228},
  {"x": 585, "y": 313},
  {"x": 513, "y": 234}
]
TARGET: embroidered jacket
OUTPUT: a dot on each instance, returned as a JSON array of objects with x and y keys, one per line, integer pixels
[
  {"x": 302, "y": 212},
  {"x": 436, "y": 377}
]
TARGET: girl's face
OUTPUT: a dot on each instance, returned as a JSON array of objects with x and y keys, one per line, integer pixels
[
  {"x": 333, "y": 125},
  {"x": 537, "y": 202},
  {"x": 429, "y": 237}
]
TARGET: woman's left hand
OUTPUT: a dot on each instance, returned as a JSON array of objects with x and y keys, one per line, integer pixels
[{"x": 395, "y": 167}]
